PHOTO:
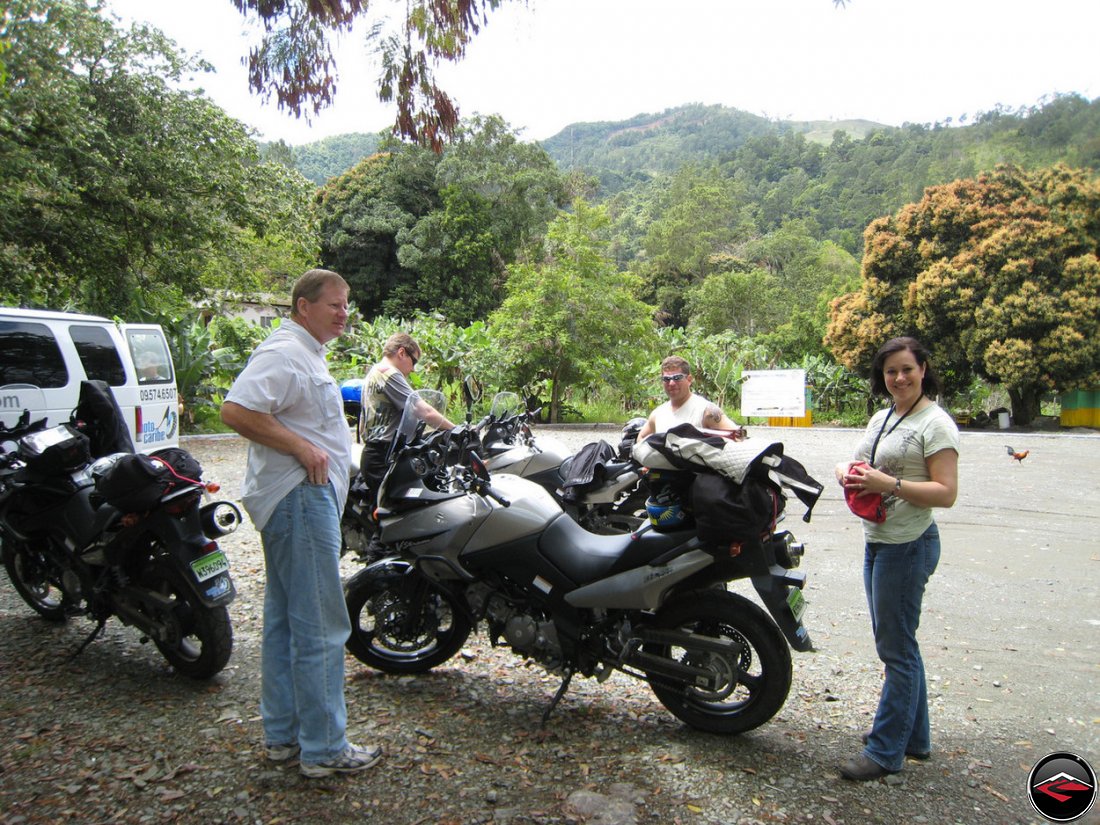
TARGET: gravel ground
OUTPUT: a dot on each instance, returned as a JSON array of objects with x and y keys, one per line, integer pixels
[{"x": 1010, "y": 637}]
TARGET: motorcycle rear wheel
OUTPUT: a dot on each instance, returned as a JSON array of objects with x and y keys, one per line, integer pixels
[
  {"x": 400, "y": 623},
  {"x": 751, "y": 689},
  {"x": 36, "y": 579},
  {"x": 199, "y": 638}
]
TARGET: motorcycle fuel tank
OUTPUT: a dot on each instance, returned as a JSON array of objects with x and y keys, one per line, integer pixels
[
  {"x": 524, "y": 460},
  {"x": 441, "y": 517},
  {"x": 529, "y": 510}
]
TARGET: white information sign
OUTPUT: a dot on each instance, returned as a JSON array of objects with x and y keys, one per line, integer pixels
[{"x": 774, "y": 393}]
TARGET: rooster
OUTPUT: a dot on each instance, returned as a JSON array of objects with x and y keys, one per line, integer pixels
[{"x": 1019, "y": 456}]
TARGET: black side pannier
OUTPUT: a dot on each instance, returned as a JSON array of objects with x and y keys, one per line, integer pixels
[
  {"x": 726, "y": 511},
  {"x": 134, "y": 483},
  {"x": 55, "y": 451}
]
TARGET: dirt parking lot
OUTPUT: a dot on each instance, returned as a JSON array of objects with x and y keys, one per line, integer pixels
[{"x": 1010, "y": 634}]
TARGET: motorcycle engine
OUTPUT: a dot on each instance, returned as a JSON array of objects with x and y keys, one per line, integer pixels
[{"x": 529, "y": 635}]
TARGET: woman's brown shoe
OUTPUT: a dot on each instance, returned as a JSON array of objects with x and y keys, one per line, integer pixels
[{"x": 922, "y": 756}]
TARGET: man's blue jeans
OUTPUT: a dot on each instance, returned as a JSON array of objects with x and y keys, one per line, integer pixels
[
  {"x": 894, "y": 576},
  {"x": 305, "y": 625}
]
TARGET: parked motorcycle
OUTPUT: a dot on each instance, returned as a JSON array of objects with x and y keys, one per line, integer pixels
[
  {"x": 88, "y": 527},
  {"x": 613, "y": 498},
  {"x": 466, "y": 548}
]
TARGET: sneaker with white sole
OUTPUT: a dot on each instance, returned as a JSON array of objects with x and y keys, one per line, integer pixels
[
  {"x": 352, "y": 760},
  {"x": 282, "y": 753}
]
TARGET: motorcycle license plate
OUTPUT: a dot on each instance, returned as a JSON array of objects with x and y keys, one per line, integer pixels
[
  {"x": 210, "y": 565},
  {"x": 797, "y": 602}
]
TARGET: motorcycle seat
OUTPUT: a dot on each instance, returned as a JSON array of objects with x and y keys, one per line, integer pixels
[{"x": 586, "y": 557}]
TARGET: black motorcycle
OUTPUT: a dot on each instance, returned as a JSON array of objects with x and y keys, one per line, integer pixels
[{"x": 90, "y": 528}]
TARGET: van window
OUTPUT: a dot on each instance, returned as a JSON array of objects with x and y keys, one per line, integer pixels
[
  {"x": 98, "y": 354},
  {"x": 150, "y": 354},
  {"x": 30, "y": 355}
]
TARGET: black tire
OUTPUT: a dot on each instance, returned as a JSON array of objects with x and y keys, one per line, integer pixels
[
  {"x": 37, "y": 581},
  {"x": 400, "y": 623},
  {"x": 198, "y": 639},
  {"x": 754, "y": 687}
]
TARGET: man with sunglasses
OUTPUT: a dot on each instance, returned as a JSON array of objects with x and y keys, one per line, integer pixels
[
  {"x": 385, "y": 391},
  {"x": 683, "y": 406}
]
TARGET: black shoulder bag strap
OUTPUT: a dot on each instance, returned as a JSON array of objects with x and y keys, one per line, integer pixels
[{"x": 885, "y": 421}]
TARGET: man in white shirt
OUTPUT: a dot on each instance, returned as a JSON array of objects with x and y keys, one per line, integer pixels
[
  {"x": 683, "y": 406},
  {"x": 288, "y": 406}
]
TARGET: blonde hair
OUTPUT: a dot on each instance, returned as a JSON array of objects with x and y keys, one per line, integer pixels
[{"x": 310, "y": 286}]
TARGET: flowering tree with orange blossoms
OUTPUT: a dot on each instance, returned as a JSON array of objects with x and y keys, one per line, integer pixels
[{"x": 998, "y": 275}]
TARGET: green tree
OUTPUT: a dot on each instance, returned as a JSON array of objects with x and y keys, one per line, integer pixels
[
  {"x": 697, "y": 220},
  {"x": 561, "y": 315},
  {"x": 743, "y": 300},
  {"x": 113, "y": 184},
  {"x": 416, "y": 232},
  {"x": 998, "y": 274},
  {"x": 361, "y": 214}
]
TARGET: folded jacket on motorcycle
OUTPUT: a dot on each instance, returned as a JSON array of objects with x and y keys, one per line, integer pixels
[
  {"x": 686, "y": 448},
  {"x": 586, "y": 469},
  {"x": 103, "y": 420}
]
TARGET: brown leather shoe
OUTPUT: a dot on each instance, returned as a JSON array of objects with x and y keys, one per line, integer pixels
[
  {"x": 862, "y": 769},
  {"x": 922, "y": 756}
]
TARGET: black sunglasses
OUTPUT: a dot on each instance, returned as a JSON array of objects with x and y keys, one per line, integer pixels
[
  {"x": 668, "y": 379},
  {"x": 413, "y": 358}
]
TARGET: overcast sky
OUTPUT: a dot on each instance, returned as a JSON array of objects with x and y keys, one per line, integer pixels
[{"x": 549, "y": 63}]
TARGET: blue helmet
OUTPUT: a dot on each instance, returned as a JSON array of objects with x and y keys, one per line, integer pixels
[{"x": 666, "y": 513}]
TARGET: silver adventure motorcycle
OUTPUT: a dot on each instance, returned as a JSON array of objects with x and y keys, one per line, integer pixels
[{"x": 464, "y": 548}]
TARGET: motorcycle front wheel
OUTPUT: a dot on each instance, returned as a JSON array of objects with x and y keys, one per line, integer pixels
[
  {"x": 36, "y": 579},
  {"x": 400, "y": 623},
  {"x": 752, "y": 684},
  {"x": 197, "y": 640}
]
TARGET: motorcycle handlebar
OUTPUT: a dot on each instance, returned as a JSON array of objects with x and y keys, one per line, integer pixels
[{"x": 489, "y": 492}]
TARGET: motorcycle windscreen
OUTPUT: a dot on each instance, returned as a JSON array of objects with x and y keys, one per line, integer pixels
[
  {"x": 505, "y": 404},
  {"x": 413, "y": 423}
]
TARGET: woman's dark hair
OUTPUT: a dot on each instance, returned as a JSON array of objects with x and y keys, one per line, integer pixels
[{"x": 930, "y": 386}]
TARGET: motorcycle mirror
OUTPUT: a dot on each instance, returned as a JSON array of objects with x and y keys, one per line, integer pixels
[
  {"x": 471, "y": 389},
  {"x": 478, "y": 466}
]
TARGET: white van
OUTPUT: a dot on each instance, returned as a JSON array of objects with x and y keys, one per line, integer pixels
[{"x": 55, "y": 351}]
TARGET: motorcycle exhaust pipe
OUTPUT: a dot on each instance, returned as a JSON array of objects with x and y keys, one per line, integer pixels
[{"x": 219, "y": 518}]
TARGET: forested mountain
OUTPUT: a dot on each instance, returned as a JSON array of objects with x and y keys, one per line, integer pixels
[
  {"x": 837, "y": 176},
  {"x": 623, "y": 153},
  {"x": 326, "y": 158}
]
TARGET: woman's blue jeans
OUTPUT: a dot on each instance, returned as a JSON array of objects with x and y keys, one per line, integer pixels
[
  {"x": 894, "y": 576},
  {"x": 305, "y": 625}
]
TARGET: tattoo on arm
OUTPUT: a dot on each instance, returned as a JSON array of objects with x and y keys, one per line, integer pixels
[{"x": 713, "y": 415}]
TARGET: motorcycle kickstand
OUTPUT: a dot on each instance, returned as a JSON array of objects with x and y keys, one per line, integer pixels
[
  {"x": 91, "y": 638},
  {"x": 557, "y": 697}
]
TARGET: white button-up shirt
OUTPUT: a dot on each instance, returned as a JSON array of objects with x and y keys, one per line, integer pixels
[{"x": 287, "y": 377}]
